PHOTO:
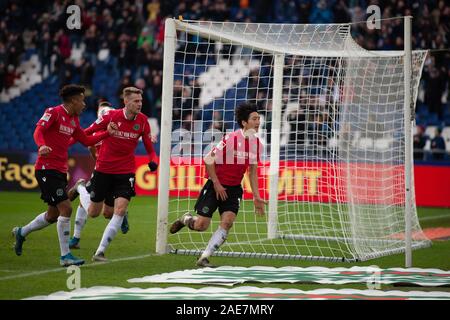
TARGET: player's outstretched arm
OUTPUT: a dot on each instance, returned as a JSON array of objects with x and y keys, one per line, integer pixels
[
  {"x": 147, "y": 139},
  {"x": 257, "y": 200},
  {"x": 81, "y": 136},
  {"x": 95, "y": 127}
]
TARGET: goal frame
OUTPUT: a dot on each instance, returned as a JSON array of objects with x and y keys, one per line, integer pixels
[{"x": 171, "y": 27}]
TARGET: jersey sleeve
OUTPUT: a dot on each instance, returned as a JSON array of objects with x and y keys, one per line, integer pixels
[
  {"x": 148, "y": 144},
  {"x": 39, "y": 136},
  {"x": 81, "y": 136},
  {"x": 48, "y": 118},
  {"x": 100, "y": 124}
]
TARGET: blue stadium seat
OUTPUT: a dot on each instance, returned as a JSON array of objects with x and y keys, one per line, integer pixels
[
  {"x": 432, "y": 119},
  {"x": 140, "y": 148}
]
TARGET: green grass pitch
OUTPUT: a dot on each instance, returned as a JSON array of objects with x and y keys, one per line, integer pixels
[{"x": 37, "y": 271}]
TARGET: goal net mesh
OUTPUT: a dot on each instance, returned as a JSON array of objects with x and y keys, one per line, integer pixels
[{"x": 341, "y": 176}]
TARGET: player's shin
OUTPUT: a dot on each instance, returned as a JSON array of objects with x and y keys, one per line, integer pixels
[
  {"x": 109, "y": 233},
  {"x": 80, "y": 221},
  {"x": 37, "y": 223},
  {"x": 217, "y": 239},
  {"x": 63, "y": 227}
]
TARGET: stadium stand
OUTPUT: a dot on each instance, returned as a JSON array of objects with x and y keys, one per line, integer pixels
[{"x": 121, "y": 44}]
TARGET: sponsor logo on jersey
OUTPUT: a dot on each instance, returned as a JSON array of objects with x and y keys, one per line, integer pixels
[
  {"x": 73, "y": 122},
  {"x": 66, "y": 130},
  {"x": 221, "y": 145},
  {"x": 99, "y": 119},
  {"x": 125, "y": 135},
  {"x": 46, "y": 116},
  {"x": 136, "y": 127}
]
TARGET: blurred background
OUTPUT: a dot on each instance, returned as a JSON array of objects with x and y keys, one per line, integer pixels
[{"x": 120, "y": 43}]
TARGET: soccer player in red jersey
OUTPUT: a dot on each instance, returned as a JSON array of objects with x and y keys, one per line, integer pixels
[
  {"x": 108, "y": 206},
  {"x": 52, "y": 136},
  {"x": 115, "y": 166},
  {"x": 226, "y": 165}
]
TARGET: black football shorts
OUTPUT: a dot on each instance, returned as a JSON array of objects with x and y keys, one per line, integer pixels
[
  {"x": 207, "y": 201},
  {"x": 53, "y": 186}
]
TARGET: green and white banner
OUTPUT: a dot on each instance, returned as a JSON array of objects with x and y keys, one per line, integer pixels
[
  {"x": 239, "y": 293},
  {"x": 229, "y": 276}
]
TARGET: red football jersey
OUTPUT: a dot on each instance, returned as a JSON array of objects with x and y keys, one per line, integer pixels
[
  {"x": 233, "y": 155},
  {"x": 116, "y": 155},
  {"x": 57, "y": 127}
]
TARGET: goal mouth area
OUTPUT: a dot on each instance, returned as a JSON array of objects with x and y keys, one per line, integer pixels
[
  {"x": 255, "y": 255},
  {"x": 334, "y": 118}
]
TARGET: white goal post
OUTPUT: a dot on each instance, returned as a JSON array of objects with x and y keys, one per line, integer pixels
[{"x": 336, "y": 125}]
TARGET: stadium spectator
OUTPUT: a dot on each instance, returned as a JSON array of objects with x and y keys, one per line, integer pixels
[
  {"x": 321, "y": 13},
  {"x": 122, "y": 27},
  {"x": 45, "y": 51},
  {"x": 297, "y": 125},
  {"x": 147, "y": 107},
  {"x": 11, "y": 76},
  {"x": 419, "y": 141},
  {"x": 438, "y": 145},
  {"x": 434, "y": 90}
]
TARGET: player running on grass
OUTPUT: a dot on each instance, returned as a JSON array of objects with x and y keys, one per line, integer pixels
[
  {"x": 226, "y": 165},
  {"x": 108, "y": 206},
  {"x": 115, "y": 167},
  {"x": 52, "y": 135}
]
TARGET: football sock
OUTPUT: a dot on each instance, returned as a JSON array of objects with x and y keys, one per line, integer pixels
[
  {"x": 63, "y": 227},
  {"x": 217, "y": 239},
  {"x": 37, "y": 224},
  {"x": 80, "y": 221},
  {"x": 110, "y": 232}
]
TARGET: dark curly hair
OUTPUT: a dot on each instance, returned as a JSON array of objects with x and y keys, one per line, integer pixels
[
  {"x": 243, "y": 112},
  {"x": 70, "y": 90}
]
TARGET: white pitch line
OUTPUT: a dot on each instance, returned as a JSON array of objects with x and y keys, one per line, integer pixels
[
  {"x": 435, "y": 217},
  {"x": 36, "y": 273}
]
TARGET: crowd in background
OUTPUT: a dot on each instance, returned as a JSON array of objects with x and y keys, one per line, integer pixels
[{"x": 133, "y": 32}]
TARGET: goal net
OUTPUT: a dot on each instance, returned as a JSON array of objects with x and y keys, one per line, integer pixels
[{"x": 333, "y": 129}]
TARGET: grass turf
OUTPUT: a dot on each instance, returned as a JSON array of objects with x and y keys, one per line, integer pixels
[{"x": 37, "y": 271}]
